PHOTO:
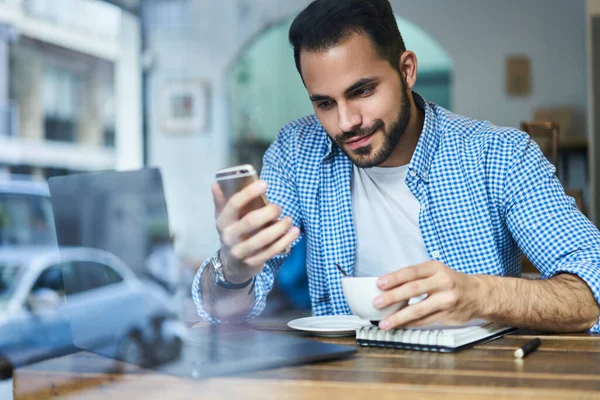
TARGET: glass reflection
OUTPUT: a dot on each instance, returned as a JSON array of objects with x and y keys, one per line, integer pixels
[
  {"x": 122, "y": 279},
  {"x": 106, "y": 281},
  {"x": 115, "y": 286}
]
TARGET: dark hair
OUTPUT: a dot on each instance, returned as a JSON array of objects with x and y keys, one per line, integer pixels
[{"x": 326, "y": 23}]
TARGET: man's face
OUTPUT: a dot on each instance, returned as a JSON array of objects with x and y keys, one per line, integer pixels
[{"x": 359, "y": 98}]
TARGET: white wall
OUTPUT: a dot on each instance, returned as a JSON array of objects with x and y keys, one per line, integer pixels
[
  {"x": 198, "y": 39},
  {"x": 128, "y": 95},
  {"x": 479, "y": 34}
]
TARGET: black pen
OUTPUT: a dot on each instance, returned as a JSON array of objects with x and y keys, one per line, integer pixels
[{"x": 527, "y": 348}]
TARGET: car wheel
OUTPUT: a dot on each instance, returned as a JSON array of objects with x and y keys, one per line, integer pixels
[
  {"x": 131, "y": 350},
  {"x": 168, "y": 351}
]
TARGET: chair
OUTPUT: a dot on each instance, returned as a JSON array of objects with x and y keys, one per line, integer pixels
[{"x": 545, "y": 133}]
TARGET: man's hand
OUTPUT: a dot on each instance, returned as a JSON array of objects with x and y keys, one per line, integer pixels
[
  {"x": 452, "y": 297},
  {"x": 248, "y": 241}
]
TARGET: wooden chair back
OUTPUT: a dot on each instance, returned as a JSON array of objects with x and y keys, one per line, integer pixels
[{"x": 545, "y": 133}]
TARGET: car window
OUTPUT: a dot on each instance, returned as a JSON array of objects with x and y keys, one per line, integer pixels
[
  {"x": 9, "y": 278},
  {"x": 26, "y": 220},
  {"x": 93, "y": 275},
  {"x": 54, "y": 278}
]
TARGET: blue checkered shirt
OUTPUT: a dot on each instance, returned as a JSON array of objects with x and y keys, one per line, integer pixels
[{"x": 486, "y": 193}]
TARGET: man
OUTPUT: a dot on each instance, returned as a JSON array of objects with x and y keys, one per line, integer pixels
[{"x": 385, "y": 184}]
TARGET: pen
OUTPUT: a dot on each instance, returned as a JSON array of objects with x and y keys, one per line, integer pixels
[{"x": 527, "y": 348}]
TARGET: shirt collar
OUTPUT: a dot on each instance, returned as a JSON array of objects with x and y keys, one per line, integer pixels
[
  {"x": 426, "y": 146},
  {"x": 328, "y": 145},
  {"x": 428, "y": 141}
]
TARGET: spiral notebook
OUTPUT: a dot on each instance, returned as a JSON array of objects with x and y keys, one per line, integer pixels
[{"x": 438, "y": 337}]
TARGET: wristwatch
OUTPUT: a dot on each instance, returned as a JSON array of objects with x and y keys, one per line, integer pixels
[{"x": 219, "y": 276}]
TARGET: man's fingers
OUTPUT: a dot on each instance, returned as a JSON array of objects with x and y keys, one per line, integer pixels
[
  {"x": 262, "y": 240},
  {"x": 440, "y": 316},
  {"x": 438, "y": 302},
  {"x": 415, "y": 312},
  {"x": 233, "y": 207},
  {"x": 409, "y": 274},
  {"x": 254, "y": 221},
  {"x": 276, "y": 248},
  {"x": 218, "y": 199},
  {"x": 407, "y": 291},
  {"x": 250, "y": 224}
]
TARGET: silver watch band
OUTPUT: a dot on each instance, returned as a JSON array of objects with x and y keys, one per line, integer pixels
[{"x": 219, "y": 276}]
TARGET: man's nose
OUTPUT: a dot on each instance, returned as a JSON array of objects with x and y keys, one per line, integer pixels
[{"x": 348, "y": 118}]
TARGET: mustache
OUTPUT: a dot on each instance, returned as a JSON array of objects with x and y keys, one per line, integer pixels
[{"x": 360, "y": 132}]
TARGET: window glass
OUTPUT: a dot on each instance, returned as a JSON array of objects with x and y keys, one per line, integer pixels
[
  {"x": 26, "y": 220},
  {"x": 9, "y": 278},
  {"x": 59, "y": 277},
  {"x": 93, "y": 275},
  {"x": 61, "y": 90}
]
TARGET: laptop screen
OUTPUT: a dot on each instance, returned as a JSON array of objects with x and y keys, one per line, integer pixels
[
  {"x": 120, "y": 271},
  {"x": 124, "y": 290}
]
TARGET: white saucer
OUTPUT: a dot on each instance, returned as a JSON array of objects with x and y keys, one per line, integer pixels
[{"x": 329, "y": 325}]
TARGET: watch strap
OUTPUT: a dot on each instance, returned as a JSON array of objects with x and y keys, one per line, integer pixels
[{"x": 219, "y": 276}]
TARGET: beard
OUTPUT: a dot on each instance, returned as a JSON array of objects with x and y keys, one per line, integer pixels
[{"x": 367, "y": 157}]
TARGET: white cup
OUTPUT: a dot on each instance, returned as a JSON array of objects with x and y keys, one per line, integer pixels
[{"x": 360, "y": 293}]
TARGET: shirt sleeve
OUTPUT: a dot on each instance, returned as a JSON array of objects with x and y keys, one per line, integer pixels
[
  {"x": 278, "y": 171},
  {"x": 197, "y": 295},
  {"x": 546, "y": 223}
]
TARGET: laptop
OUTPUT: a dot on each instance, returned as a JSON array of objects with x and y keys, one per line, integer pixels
[{"x": 124, "y": 293}]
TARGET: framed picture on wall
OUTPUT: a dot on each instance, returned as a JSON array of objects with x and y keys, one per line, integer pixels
[
  {"x": 518, "y": 75},
  {"x": 185, "y": 107}
]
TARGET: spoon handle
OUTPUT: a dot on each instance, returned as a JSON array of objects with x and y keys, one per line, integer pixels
[{"x": 342, "y": 271}]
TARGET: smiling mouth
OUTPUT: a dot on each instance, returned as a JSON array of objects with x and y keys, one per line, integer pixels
[{"x": 360, "y": 141}]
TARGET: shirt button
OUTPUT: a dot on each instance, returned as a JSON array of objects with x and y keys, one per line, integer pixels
[
  {"x": 423, "y": 206},
  {"x": 435, "y": 254},
  {"x": 413, "y": 173},
  {"x": 425, "y": 175}
]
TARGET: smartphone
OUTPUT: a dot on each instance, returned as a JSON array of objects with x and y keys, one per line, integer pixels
[{"x": 233, "y": 179}]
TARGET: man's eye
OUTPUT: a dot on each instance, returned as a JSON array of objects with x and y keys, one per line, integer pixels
[
  {"x": 363, "y": 91},
  {"x": 324, "y": 105}
]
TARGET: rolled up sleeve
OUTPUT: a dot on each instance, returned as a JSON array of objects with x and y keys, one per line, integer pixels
[
  {"x": 590, "y": 274},
  {"x": 197, "y": 295},
  {"x": 262, "y": 287}
]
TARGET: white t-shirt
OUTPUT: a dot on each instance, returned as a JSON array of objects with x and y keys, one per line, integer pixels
[{"x": 386, "y": 218}]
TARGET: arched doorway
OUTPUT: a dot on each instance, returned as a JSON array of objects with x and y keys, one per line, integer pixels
[{"x": 265, "y": 91}]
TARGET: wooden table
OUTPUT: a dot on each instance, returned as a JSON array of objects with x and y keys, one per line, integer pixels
[{"x": 565, "y": 366}]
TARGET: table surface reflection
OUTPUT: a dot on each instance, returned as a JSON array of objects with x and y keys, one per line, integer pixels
[{"x": 565, "y": 366}]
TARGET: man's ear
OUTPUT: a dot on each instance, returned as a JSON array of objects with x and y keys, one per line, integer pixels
[{"x": 408, "y": 68}]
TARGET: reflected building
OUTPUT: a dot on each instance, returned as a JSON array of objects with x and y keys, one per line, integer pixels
[{"x": 59, "y": 64}]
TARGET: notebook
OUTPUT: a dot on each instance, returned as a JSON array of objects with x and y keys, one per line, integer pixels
[{"x": 437, "y": 337}]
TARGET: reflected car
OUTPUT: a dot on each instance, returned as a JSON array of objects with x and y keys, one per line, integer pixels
[{"x": 53, "y": 302}]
